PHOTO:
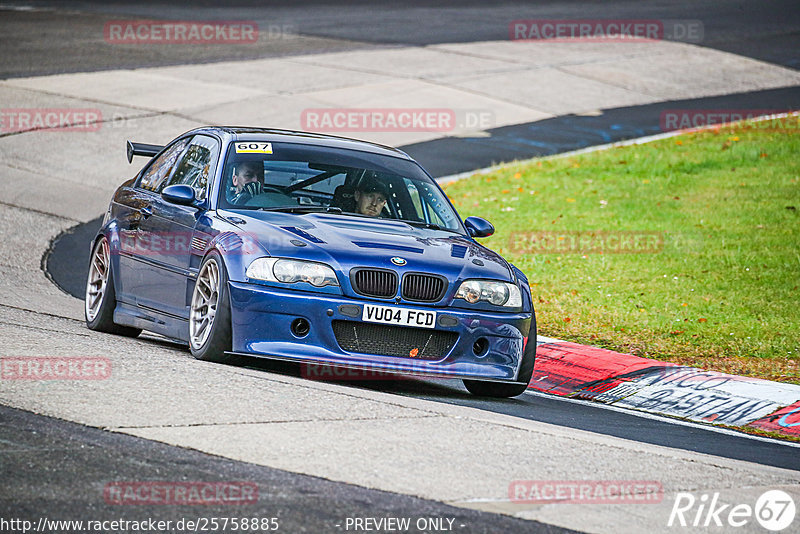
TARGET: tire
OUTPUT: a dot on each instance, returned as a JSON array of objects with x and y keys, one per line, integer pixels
[
  {"x": 210, "y": 341},
  {"x": 503, "y": 390},
  {"x": 100, "y": 299}
]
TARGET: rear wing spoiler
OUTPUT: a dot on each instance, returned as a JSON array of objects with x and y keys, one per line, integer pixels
[{"x": 142, "y": 149}]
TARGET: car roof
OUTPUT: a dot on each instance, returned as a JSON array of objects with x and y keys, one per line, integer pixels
[{"x": 242, "y": 133}]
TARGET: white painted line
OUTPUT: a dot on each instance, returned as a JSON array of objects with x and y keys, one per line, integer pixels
[
  {"x": 12, "y": 7},
  {"x": 542, "y": 339},
  {"x": 670, "y": 420}
]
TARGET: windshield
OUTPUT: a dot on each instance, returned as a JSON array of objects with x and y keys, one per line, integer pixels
[{"x": 298, "y": 178}]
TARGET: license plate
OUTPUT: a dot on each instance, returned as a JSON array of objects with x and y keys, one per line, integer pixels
[{"x": 398, "y": 316}]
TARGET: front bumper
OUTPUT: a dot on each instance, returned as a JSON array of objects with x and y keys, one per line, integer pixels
[{"x": 261, "y": 318}]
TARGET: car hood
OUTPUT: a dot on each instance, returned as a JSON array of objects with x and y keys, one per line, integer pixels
[{"x": 345, "y": 242}]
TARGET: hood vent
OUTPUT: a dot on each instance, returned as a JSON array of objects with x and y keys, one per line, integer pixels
[
  {"x": 387, "y": 246},
  {"x": 458, "y": 251},
  {"x": 303, "y": 234}
]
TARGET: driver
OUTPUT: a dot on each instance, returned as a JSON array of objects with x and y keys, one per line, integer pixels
[
  {"x": 370, "y": 196},
  {"x": 247, "y": 178}
]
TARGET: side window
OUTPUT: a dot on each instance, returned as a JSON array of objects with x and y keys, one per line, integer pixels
[
  {"x": 195, "y": 166},
  {"x": 416, "y": 202},
  {"x": 154, "y": 177},
  {"x": 429, "y": 205},
  {"x": 439, "y": 211}
]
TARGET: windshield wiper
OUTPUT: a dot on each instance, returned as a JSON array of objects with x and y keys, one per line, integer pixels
[
  {"x": 305, "y": 209},
  {"x": 430, "y": 226}
]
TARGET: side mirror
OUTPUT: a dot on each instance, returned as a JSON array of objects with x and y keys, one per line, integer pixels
[
  {"x": 178, "y": 194},
  {"x": 478, "y": 227}
]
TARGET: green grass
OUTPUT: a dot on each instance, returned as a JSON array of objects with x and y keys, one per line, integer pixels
[{"x": 722, "y": 293}]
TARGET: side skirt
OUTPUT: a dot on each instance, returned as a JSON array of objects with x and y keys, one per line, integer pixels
[{"x": 153, "y": 321}]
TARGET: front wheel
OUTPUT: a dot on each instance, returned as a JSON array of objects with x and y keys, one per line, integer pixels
[
  {"x": 210, "y": 313},
  {"x": 501, "y": 390},
  {"x": 100, "y": 299}
]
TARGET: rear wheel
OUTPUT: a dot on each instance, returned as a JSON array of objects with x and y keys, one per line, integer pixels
[
  {"x": 100, "y": 299},
  {"x": 210, "y": 313},
  {"x": 501, "y": 390}
]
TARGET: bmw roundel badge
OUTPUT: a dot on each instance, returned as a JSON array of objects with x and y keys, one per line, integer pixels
[{"x": 398, "y": 261}]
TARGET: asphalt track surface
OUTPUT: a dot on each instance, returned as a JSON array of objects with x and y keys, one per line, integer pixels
[
  {"x": 760, "y": 29},
  {"x": 583, "y": 416},
  {"x": 594, "y": 418},
  {"x": 67, "y": 267},
  {"x": 66, "y": 263},
  {"x": 77, "y": 460}
]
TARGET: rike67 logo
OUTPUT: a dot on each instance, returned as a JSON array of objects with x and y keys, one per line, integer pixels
[{"x": 774, "y": 510}]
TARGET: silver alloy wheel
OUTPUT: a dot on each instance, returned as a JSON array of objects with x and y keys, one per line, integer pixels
[
  {"x": 98, "y": 280},
  {"x": 204, "y": 304}
]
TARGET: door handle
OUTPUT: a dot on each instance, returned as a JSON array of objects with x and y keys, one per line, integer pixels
[{"x": 147, "y": 211}]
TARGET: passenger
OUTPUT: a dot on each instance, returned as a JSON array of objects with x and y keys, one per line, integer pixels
[
  {"x": 370, "y": 196},
  {"x": 247, "y": 180}
]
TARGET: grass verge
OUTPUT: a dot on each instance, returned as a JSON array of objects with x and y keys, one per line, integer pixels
[{"x": 685, "y": 249}]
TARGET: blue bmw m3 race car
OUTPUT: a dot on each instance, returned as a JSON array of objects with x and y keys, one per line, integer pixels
[{"x": 310, "y": 248}]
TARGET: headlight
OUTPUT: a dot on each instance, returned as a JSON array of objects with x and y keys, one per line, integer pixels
[
  {"x": 497, "y": 293},
  {"x": 292, "y": 271}
]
